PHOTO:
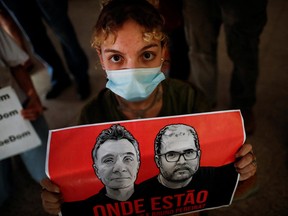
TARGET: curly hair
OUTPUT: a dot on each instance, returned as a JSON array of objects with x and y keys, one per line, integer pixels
[{"x": 116, "y": 12}]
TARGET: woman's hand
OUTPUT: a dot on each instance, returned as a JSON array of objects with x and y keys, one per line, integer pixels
[
  {"x": 51, "y": 197},
  {"x": 245, "y": 163}
]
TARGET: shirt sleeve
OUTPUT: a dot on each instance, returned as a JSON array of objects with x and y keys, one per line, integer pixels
[{"x": 11, "y": 54}]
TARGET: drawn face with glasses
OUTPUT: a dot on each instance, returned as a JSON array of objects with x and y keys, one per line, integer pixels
[
  {"x": 179, "y": 154},
  {"x": 189, "y": 154}
]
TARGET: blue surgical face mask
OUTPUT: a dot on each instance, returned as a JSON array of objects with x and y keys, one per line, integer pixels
[{"x": 134, "y": 84}]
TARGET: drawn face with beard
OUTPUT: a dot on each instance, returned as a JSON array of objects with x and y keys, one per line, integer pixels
[{"x": 179, "y": 158}]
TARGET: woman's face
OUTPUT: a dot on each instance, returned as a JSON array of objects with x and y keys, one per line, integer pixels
[{"x": 128, "y": 49}]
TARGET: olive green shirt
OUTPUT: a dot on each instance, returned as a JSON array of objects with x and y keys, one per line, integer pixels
[{"x": 178, "y": 98}]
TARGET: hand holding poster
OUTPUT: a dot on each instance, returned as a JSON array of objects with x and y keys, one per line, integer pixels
[
  {"x": 160, "y": 166},
  {"x": 16, "y": 134}
]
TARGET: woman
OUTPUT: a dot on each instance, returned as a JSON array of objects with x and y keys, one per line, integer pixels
[{"x": 130, "y": 43}]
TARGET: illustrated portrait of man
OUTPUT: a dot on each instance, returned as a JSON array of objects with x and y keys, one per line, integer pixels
[
  {"x": 181, "y": 180},
  {"x": 177, "y": 155},
  {"x": 116, "y": 161}
]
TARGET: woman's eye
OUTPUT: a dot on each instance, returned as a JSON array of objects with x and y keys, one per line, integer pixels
[
  {"x": 148, "y": 56},
  {"x": 116, "y": 58}
]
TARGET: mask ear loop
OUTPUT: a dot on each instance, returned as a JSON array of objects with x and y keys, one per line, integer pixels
[
  {"x": 99, "y": 67},
  {"x": 165, "y": 65}
]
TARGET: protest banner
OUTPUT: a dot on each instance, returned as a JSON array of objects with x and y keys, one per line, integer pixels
[
  {"x": 16, "y": 134},
  {"x": 182, "y": 175}
]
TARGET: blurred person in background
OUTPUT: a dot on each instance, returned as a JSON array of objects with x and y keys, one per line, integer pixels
[
  {"x": 243, "y": 22},
  {"x": 55, "y": 14},
  {"x": 14, "y": 73}
]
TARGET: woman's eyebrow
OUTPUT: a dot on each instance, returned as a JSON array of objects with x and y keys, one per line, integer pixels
[
  {"x": 111, "y": 51},
  {"x": 149, "y": 46},
  {"x": 141, "y": 50}
]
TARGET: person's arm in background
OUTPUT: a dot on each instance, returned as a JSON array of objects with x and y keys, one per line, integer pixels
[
  {"x": 33, "y": 108},
  {"x": 14, "y": 58}
]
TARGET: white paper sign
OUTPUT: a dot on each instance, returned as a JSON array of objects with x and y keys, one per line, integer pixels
[{"x": 16, "y": 134}]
